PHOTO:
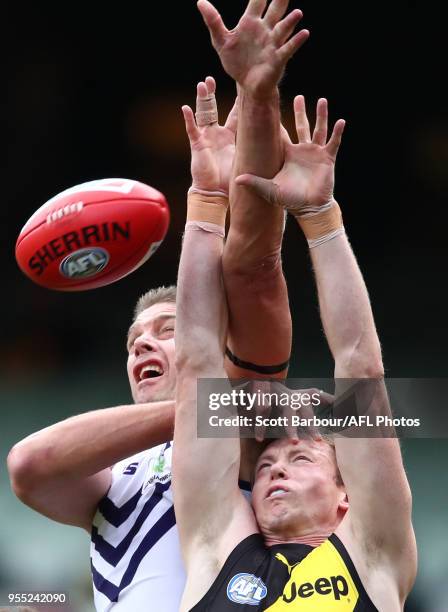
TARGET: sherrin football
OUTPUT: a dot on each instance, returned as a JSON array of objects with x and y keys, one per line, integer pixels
[{"x": 92, "y": 234}]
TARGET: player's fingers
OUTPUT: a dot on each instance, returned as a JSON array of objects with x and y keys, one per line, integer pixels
[
  {"x": 190, "y": 124},
  {"x": 213, "y": 21},
  {"x": 261, "y": 388},
  {"x": 291, "y": 432},
  {"x": 201, "y": 91},
  {"x": 309, "y": 429},
  {"x": 210, "y": 83},
  {"x": 232, "y": 118},
  {"x": 290, "y": 428},
  {"x": 319, "y": 400},
  {"x": 326, "y": 399},
  {"x": 206, "y": 107},
  {"x": 336, "y": 137},
  {"x": 264, "y": 188},
  {"x": 285, "y": 27},
  {"x": 320, "y": 129},
  {"x": 255, "y": 8},
  {"x": 260, "y": 428},
  {"x": 287, "y": 50},
  {"x": 281, "y": 391},
  {"x": 275, "y": 12},
  {"x": 301, "y": 120}
]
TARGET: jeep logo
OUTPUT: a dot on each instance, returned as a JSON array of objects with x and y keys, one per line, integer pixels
[
  {"x": 84, "y": 262},
  {"x": 334, "y": 585}
]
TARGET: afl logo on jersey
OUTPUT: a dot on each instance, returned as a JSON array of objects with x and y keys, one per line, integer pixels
[{"x": 246, "y": 589}]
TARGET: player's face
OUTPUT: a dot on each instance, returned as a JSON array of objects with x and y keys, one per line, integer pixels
[
  {"x": 151, "y": 363},
  {"x": 295, "y": 490}
]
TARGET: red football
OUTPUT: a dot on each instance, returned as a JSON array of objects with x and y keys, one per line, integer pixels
[{"x": 92, "y": 234}]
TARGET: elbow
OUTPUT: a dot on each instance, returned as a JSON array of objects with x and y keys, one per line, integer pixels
[
  {"x": 204, "y": 360},
  {"x": 201, "y": 355},
  {"x": 359, "y": 364},
  {"x": 25, "y": 470},
  {"x": 200, "y": 364},
  {"x": 19, "y": 464}
]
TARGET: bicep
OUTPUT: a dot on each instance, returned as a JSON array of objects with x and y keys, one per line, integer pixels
[
  {"x": 378, "y": 493},
  {"x": 205, "y": 472},
  {"x": 370, "y": 462},
  {"x": 69, "y": 502},
  {"x": 379, "y": 515}
]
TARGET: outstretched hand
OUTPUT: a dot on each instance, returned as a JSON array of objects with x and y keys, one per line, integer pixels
[
  {"x": 255, "y": 53},
  {"x": 306, "y": 181},
  {"x": 212, "y": 146}
]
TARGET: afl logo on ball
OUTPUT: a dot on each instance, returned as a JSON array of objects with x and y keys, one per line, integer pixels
[
  {"x": 246, "y": 589},
  {"x": 84, "y": 262}
]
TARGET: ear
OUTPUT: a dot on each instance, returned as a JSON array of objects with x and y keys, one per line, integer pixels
[{"x": 343, "y": 501}]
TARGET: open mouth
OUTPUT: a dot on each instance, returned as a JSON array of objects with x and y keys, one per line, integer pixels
[
  {"x": 149, "y": 371},
  {"x": 277, "y": 492}
]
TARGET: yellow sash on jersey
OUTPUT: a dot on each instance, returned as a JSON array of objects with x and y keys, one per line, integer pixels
[{"x": 320, "y": 582}]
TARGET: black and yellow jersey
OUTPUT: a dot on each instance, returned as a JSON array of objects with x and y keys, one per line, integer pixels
[{"x": 286, "y": 578}]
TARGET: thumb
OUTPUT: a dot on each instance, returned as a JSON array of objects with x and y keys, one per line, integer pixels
[{"x": 265, "y": 188}]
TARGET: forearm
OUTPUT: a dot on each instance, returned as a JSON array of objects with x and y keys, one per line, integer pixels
[
  {"x": 200, "y": 332},
  {"x": 201, "y": 326},
  {"x": 256, "y": 228},
  {"x": 369, "y": 460},
  {"x": 345, "y": 310},
  {"x": 258, "y": 144},
  {"x": 86, "y": 444},
  {"x": 260, "y": 325},
  {"x": 201, "y": 308}
]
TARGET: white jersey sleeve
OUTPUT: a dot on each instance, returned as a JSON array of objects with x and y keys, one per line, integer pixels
[{"x": 135, "y": 555}]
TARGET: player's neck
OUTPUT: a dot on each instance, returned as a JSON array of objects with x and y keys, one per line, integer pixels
[
  {"x": 312, "y": 539},
  {"x": 312, "y": 533}
]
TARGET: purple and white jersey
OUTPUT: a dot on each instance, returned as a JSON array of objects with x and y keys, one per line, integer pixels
[{"x": 135, "y": 553}]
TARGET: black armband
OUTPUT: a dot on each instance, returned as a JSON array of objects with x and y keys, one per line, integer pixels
[{"x": 259, "y": 369}]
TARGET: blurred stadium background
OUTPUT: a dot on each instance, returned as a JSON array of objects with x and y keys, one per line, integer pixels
[{"x": 95, "y": 93}]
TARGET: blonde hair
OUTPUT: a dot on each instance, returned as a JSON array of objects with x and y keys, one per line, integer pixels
[
  {"x": 330, "y": 441},
  {"x": 155, "y": 296}
]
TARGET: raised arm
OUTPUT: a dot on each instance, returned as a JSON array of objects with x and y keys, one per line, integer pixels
[
  {"x": 255, "y": 54},
  {"x": 63, "y": 471},
  {"x": 205, "y": 471},
  {"x": 379, "y": 519},
  {"x": 372, "y": 468}
]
